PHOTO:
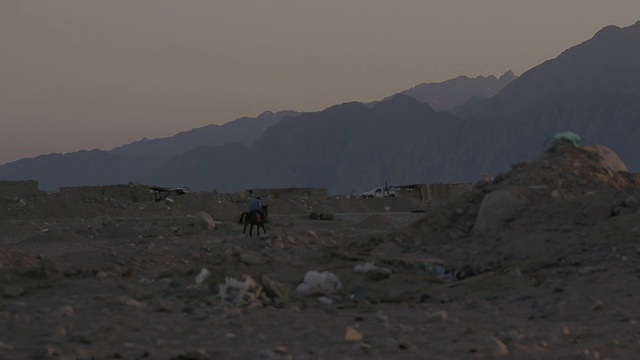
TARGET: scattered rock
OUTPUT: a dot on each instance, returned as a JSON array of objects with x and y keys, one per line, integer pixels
[
  {"x": 438, "y": 316},
  {"x": 631, "y": 202},
  {"x": 488, "y": 346},
  {"x": 252, "y": 258},
  {"x": 274, "y": 289},
  {"x": 202, "y": 276},
  {"x": 153, "y": 232},
  {"x": 12, "y": 291},
  {"x": 608, "y": 158},
  {"x": 596, "y": 211},
  {"x": 597, "y": 305},
  {"x": 374, "y": 273},
  {"x": 326, "y": 216},
  {"x": 495, "y": 208},
  {"x": 65, "y": 311},
  {"x": 316, "y": 283},
  {"x": 387, "y": 249},
  {"x": 204, "y": 221},
  {"x": 351, "y": 334}
]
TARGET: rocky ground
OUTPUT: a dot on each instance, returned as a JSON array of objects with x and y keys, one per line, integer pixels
[{"x": 542, "y": 262}]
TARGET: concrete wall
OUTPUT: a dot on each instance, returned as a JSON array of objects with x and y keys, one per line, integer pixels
[
  {"x": 434, "y": 192},
  {"x": 128, "y": 193},
  {"x": 288, "y": 193},
  {"x": 19, "y": 189}
]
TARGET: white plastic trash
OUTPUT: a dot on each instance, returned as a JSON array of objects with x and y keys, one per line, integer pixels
[{"x": 319, "y": 283}]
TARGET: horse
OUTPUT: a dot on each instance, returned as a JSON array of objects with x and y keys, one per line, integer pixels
[{"x": 251, "y": 218}]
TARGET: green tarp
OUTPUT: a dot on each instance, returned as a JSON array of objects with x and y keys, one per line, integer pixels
[{"x": 567, "y": 137}]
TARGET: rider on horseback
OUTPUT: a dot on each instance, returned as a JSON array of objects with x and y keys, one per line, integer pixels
[{"x": 255, "y": 206}]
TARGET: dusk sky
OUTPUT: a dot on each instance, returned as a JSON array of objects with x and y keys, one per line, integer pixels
[{"x": 92, "y": 74}]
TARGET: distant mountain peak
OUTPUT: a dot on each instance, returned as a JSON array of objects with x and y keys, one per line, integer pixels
[
  {"x": 265, "y": 113},
  {"x": 399, "y": 100},
  {"x": 449, "y": 94},
  {"x": 507, "y": 76}
]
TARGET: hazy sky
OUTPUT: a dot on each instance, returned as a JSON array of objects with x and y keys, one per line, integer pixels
[{"x": 91, "y": 74}]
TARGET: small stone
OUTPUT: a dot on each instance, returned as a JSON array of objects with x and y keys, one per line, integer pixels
[
  {"x": 281, "y": 349},
  {"x": 587, "y": 270},
  {"x": 164, "y": 306},
  {"x": 510, "y": 335},
  {"x": 555, "y": 193},
  {"x": 82, "y": 354},
  {"x": 266, "y": 354},
  {"x": 597, "y": 305},
  {"x": 325, "y": 300},
  {"x": 631, "y": 202},
  {"x": 66, "y": 310},
  {"x": 490, "y": 346},
  {"x": 550, "y": 311},
  {"x": 204, "y": 221},
  {"x": 438, "y": 316},
  {"x": 515, "y": 272},
  {"x": 134, "y": 303},
  {"x": 326, "y": 216},
  {"x": 12, "y": 291},
  {"x": 382, "y": 318},
  {"x": 351, "y": 334},
  {"x": 102, "y": 275},
  {"x": 48, "y": 352},
  {"x": 202, "y": 276},
  {"x": 597, "y": 211},
  {"x": 252, "y": 258},
  {"x": 362, "y": 346}
]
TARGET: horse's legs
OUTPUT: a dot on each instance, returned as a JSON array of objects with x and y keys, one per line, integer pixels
[
  {"x": 245, "y": 228},
  {"x": 251, "y": 229}
]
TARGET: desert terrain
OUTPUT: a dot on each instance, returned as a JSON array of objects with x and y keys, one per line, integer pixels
[{"x": 541, "y": 262}]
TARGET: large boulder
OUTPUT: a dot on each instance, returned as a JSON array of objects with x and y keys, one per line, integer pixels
[
  {"x": 204, "y": 221},
  {"x": 609, "y": 158},
  {"x": 496, "y": 208}
]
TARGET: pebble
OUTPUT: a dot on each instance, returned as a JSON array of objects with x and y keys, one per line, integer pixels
[
  {"x": 362, "y": 346},
  {"x": 66, "y": 310},
  {"x": 381, "y": 318},
  {"x": 252, "y": 258},
  {"x": 12, "y": 291},
  {"x": 134, "y": 303},
  {"x": 597, "y": 305},
  {"x": 510, "y": 335},
  {"x": 351, "y": 334},
  {"x": 489, "y": 345},
  {"x": 325, "y": 300},
  {"x": 438, "y": 316},
  {"x": 202, "y": 276}
]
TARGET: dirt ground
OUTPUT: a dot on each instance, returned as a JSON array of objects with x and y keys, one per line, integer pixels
[{"x": 542, "y": 262}]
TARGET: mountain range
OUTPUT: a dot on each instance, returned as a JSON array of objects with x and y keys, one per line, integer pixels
[{"x": 592, "y": 89}]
